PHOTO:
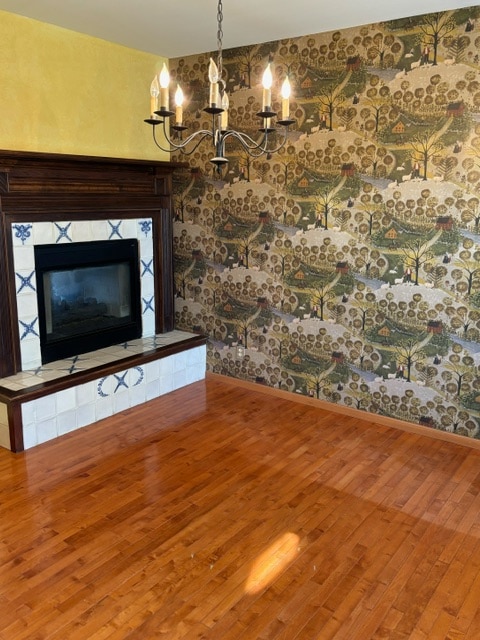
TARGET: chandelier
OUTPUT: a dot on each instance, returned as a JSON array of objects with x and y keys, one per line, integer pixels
[{"x": 271, "y": 138}]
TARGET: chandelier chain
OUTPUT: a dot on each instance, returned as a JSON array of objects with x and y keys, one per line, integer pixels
[{"x": 219, "y": 37}]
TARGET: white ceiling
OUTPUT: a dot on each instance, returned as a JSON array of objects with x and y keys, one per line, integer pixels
[{"x": 183, "y": 27}]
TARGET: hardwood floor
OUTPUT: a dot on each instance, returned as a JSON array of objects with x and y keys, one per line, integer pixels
[{"x": 221, "y": 513}]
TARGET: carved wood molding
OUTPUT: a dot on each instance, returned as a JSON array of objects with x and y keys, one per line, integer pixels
[{"x": 3, "y": 182}]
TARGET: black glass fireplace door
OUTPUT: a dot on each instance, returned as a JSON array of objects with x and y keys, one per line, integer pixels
[{"x": 88, "y": 296}]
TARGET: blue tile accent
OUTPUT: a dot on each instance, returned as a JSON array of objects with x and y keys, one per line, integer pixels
[
  {"x": 22, "y": 231},
  {"x": 25, "y": 281},
  {"x": 141, "y": 375},
  {"x": 120, "y": 381},
  {"x": 29, "y": 329},
  {"x": 74, "y": 366},
  {"x": 146, "y": 227},
  {"x": 147, "y": 267},
  {"x": 148, "y": 304},
  {"x": 100, "y": 390},
  {"x": 115, "y": 229},
  {"x": 63, "y": 232}
]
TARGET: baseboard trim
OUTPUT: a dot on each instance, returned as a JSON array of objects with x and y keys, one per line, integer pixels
[{"x": 384, "y": 421}]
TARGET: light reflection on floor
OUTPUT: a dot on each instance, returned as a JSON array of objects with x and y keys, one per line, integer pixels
[{"x": 268, "y": 566}]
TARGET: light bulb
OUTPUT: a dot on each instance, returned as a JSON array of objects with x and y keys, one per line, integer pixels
[
  {"x": 164, "y": 77},
  {"x": 212, "y": 71},
  {"x": 267, "y": 79},
  {"x": 225, "y": 105},
  {"x": 267, "y": 88},
  {"x": 155, "y": 88},
  {"x": 179, "y": 96},
  {"x": 286, "y": 88},
  {"x": 154, "y": 93},
  {"x": 179, "y": 103},
  {"x": 164, "y": 82},
  {"x": 213, "y": 77}
]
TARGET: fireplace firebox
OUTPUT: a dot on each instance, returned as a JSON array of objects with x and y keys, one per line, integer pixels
[{"x": 88, "y": 296}]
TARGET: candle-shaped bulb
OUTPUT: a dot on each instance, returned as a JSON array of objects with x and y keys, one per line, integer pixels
[
  {"x": 225, "y": 105},
  {"x": 154, "y": 93},
  {"x": 267, "y": 82},
  {"x": 286, "y": 99},
  {"x": 212, "y": 71},
  {"x": 267, "y": 79},
  {"x": 164, "y": 78},
  {"x": 213, "y": 78},
  {"x": 179, "y": 104},
  {"x": 179, "y": 96}
]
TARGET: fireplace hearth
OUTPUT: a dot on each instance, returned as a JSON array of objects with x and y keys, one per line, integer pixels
[{"x": 88, "y": 296}]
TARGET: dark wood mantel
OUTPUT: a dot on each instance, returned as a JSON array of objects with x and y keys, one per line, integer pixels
[{"x": 52, "y": 187}]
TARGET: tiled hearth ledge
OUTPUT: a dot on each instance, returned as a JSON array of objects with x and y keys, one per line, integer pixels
[{"x": 56, "y": 398}]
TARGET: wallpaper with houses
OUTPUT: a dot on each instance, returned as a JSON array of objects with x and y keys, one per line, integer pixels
[{"x": 347, "y": 266}]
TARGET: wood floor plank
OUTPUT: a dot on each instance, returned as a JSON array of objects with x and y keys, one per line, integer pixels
[{"x": 218, "y": 512}]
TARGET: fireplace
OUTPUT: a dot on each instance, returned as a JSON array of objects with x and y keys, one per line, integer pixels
[
  {"x": 88, "y": 296},
  {"x": 50, "y": 205},
  {"x": 49, "y": 200}
]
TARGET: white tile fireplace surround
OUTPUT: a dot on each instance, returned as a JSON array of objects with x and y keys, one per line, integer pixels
[
  {"x": 53, "y": 413},
  {"x": 26, "y": 235}
]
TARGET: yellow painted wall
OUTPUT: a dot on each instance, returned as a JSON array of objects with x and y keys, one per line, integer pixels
[{"x": 64, "y": 92}]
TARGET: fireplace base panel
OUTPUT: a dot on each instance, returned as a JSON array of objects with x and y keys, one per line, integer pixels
[{"x": 42, "y": 410}]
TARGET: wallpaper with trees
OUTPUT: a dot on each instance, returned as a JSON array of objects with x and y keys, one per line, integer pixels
[{"x": 347, "y": 266}]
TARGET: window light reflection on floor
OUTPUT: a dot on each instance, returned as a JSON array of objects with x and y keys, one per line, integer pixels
[{"x": 268, "y": 566}]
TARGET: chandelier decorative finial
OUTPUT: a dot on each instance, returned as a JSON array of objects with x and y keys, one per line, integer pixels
[{"x": 218, "y": 106}]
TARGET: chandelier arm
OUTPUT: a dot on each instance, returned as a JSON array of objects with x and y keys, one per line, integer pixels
[
  {"x": 156, "y": 141},
  {"x": 280, "y": 145},
  {"x": 253, "y": 148},
  {"x": 201, "y": 138},
  {"x": 246, "y": 141},
  {"x": 202, "y": 135}
]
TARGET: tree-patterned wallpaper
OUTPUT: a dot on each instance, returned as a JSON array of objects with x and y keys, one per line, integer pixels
[{"x": 347, "y": 266}]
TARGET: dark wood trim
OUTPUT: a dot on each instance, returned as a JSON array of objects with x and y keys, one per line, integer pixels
[
  {"x": 54, "y": 187},
  {"x": 164, "y": 293},
  {"x": 8, "y": 354},
  {"x": 15, "y": 426},
  {"x": 33, "y": 172},
  {"x": 24, "y": 207}
]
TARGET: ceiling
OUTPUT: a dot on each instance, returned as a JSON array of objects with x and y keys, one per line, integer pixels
[{"x": 185, "y": 27}]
